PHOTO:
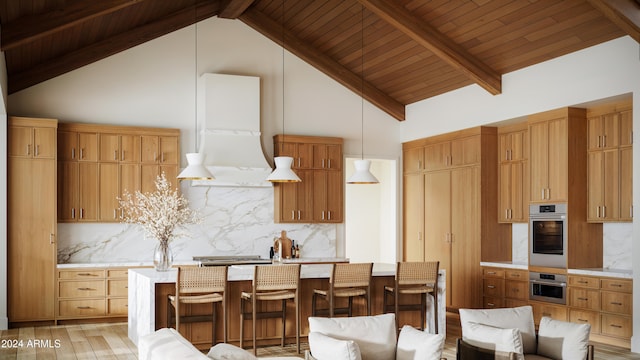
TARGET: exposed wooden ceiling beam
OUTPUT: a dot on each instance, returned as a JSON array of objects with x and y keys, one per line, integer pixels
[
  {"x": 624, "y": 13},
  {"x": 437, "y": 43},
  {"x": 115, "y": 44},
  {"x": 231, "y": 9},
  {"x": 25, "y": 30},
  {"x": 273, "y": 30}
]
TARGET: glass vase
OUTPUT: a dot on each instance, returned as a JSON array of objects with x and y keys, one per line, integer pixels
[{"x": 162, "y": 256}]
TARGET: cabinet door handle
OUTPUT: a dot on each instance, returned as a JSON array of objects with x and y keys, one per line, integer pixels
[
  {"x": 491, "y": 304},
  {"x": 115, "y": 213},
  {"x": 28, "y": 149},
  {"x": 85, "y": 289},
  {"x": 81, "y": 213},
  {"x": 616, "y": 285},
  {"x": 162, "y": 157},
  {"x": 599, "y": 141},
  {"x": 542, "y": 194},
  {"x": 604, "y": 211},
  {"x": 115, "y": 155},
  {"x": 322, "y": 214},
  {"x": 298, "y": 162},
  {"x": 582, "y": 282},
  {"x": 329, "y": 214},
  {"x": 616, "y": 326},
  {"x": 604, "y": 140},
  {"x": 73, "y": 213},
  {"x": 323, "y": 163},
  {"x": 52, "y": 239},
  {"x": 73, "y": 153},
  {"x": 298, "y": 214},
  {"x": 86, "y": 274},
  {"x": 491, "y": 286},
  {"x": 491, "y": 272},
  {"x": 616, "y": 303},
  {"x": 583, "y": 298},
  {"x": 155, "y": 156},
  {"x": 37, "y": 150},
  {"x": 597, "y": 211},
  {"x": 122, "y": 155},
  {"x": 329, "y": 163},
  {"x": 83, "y": 307},
  {"x": 583, "y": 320},
  {"x": 293, "y": 214},
  {"x": 81, "y": 153}
]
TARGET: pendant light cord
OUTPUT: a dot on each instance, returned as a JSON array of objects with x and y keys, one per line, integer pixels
[
  {"x": 362, "y": 82},
  {"x": 195, "y": 81},
  {"x": 283, "y": 132}
]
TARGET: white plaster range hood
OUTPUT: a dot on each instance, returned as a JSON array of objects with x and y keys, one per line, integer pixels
[{"x": 229, "y": 108}]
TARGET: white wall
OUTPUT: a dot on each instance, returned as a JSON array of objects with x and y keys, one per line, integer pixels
[{"x": 603, "y": 71}]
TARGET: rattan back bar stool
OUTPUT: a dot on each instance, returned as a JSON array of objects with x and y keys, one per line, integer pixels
[
  {"x": 414, "y": 278},
  {"x": 271, "y": 283},
  {"x": 345, "y": 281},
  {"x": 199, "y": 285}
]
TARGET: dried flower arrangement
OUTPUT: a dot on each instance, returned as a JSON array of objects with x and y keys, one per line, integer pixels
[{"x": 159, "y": 212}]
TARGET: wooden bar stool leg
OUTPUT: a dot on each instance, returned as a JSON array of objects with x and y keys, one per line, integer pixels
[
  {"x": 241, "y": 321},
  {"x": 350, "y": 311},
  {"x": 253, "y": 324},
  {"x": 213, "y": 324},
  {"x": 284, "y": 321},
  {"x": 423, "y": 310},
  {"x": 435, "y": 310},
  {"x": 297, "y": 323}
]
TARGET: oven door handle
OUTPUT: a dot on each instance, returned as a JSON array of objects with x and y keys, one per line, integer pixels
[{"x": 562, "y": 284}]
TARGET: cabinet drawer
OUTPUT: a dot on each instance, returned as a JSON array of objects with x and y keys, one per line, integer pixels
[
  {"x": 615, "y": 302},
  {"x": 120, "y": 273},
  {"x": 81, "y": 308},
  {"x": 512, "y": 303},
  {"x": 81, "y": 274},
  {"x": 586, "y": 317},
  {"x": 521, "y": 275},
  {"x": 556, "y": 312},
  {"x": 616, "y": 325},
  {"x": 492, "y": 302},
  {"x": 516, "y": 289},
  {"x": 117, "y": 287},
  {"x": 617, "y": 285},
  {"x": 584, "y": 281},
  {"x": 80, "y": 289},
  {"x": 584, "y": 298},
  {"x": 492, "y": 272},
  {"x": 493, "y": 287},
  {"x": 117, "y": 306}
]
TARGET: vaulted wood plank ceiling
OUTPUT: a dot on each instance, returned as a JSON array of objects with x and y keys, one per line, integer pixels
[{"x": 393, "y": 52}]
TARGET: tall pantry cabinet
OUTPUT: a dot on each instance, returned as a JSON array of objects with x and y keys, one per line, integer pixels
[
  {"x": 31, "y": 219},
  {"x": 450, "y": 208}
]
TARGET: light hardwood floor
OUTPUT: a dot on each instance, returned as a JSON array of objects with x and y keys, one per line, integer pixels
[{"x": 110, "y": 341}]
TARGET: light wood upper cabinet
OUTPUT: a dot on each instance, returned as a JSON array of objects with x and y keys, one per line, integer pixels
[
  {"x": 99, "y": 163},
  {"x": 327, "y": 156},
  {"x": 548, "y": 160},
  {"x": 413, "y": 160},
  {"x": 31, "y": 219},
  {"x": 437, "y": 156},
  {"x": 448, "y": 154},
  {"x": 32, "y": 138},
  {"x": 319, "y": 198},
  {"x": 513, "y": 178},
  {"x": 159, "y": 149},
  {"x": 119, "y": 148},
  {"x": 610, "y": 163}
]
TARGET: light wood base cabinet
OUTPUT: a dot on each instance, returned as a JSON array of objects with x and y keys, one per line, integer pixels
[
  {"x": 31, "y": 221},
  {"x": 92, "y": 293}
]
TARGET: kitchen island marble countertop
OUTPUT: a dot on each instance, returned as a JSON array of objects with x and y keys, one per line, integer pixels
[
  {"x": 142, "y": 299},
  {"x": 603, "y": 272},
  {"x": 133, "y": 264}
]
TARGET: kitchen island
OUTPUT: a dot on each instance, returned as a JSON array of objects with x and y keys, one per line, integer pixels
[{"x": 148, "y": 290}]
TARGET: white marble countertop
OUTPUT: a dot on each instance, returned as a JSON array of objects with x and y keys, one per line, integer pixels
[
  {"x": 245, "y": 272},
  {"x": 505, "y": 264},
  {"x": 604, "y": 272},
  {"x": 614, "y": 273},
  {"x": 312, "y": 260}
]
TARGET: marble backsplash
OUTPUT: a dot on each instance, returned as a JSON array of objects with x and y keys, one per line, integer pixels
[
  {"x": 617, "y": 243},
  {"x": 236, "y": 221}
]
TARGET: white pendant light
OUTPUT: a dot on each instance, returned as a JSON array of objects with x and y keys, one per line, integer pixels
[
  {"x": 195, "y": 169},
  {"x": 363, "y": 173},
  {"x": 283, "y": 172}
]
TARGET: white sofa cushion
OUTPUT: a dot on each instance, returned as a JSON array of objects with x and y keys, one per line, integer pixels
[
  {"x": 520, "y": 318},
  {"x": 324, "y": 347},
  {"x": 414, "y": 344},
  {"x": 494, "y": 338},
  {"x": 167, "y": 344},
  {"x": 224, "y": 351},
  {"x": 563, "y": 340},
  {"x": 375, "y": 335}
]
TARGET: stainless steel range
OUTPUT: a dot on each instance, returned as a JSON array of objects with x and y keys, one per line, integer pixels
[{"x": 230, "y": 260}]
